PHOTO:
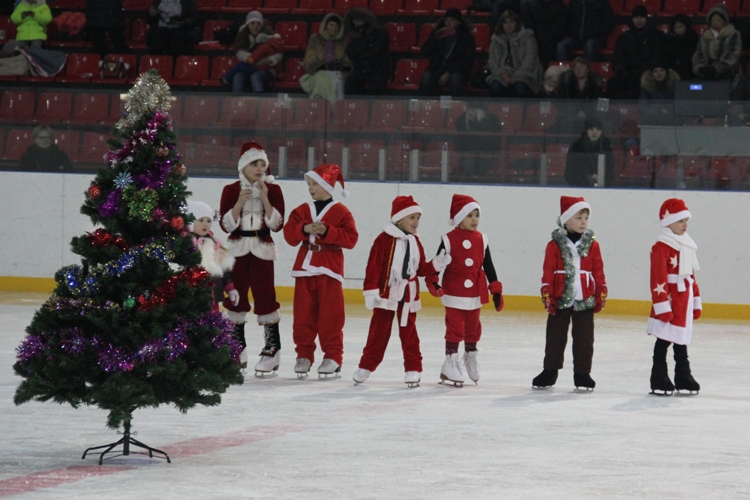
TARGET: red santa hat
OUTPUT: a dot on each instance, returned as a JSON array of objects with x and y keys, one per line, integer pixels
[
  {"x": 673, "y": 210},
  {"x": 569, "y": 206},
  {"x": 403, "y": 206},
  {"x": 252, "y": 151},
  {"x": 199, "y": 209},
  {"x": 461, "y": 206},
  {"x": 327, "y": 175}
]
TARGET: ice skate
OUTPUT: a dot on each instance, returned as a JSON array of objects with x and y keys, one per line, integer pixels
[
  {"x": 660, "y": 383},
  {"x": 360, "y": 376},
  {"x": 545, "y": 379},
  {"x": 583, "y": 381},
  {"x": 451, "y": 373},
  {"x": 302, "y": 368},
  {"x": 683, "y": 378},
  {"x": 472, "y": 366},
  {"x": 269, "y": 363},
  {"x": 412, "y": 379},
  {"x": 329, "y": 369},
  {"x": 243, "y": 360}
]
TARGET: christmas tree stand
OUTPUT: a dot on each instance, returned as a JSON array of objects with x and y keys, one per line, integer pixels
[{"x": 126, "y": 441}]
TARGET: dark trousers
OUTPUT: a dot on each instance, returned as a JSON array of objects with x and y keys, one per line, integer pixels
[
  {"x": 557, "y": 339},
  {"x": 366, "y": 82}
]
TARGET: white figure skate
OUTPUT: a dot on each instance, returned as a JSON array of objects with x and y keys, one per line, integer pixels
[
  {"x": 302, "y": 368},
  {"x": 360, "y": 376},
  {"x": 411, "y": 379},
  {"x": 267, "y": 365},
  {"x": 329, "y": 369},
  {"x": 243, "y": 360},
  {"x": 451, "y": 373},
  {"x": 472, "y": 367}
]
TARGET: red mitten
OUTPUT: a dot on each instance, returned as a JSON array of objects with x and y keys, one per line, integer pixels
[
  {"x": 497, "y": 299},
  {"x": 550, "y": 303},
  {"x": 665, "y": 317},
  {"x": 601, "y": 300},
  {"x": 696, "y": 313},
  {"x": 433, "y": 285}
]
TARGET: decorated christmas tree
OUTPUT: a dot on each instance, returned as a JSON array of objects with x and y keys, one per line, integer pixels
[{"x": 132, "y": 326}]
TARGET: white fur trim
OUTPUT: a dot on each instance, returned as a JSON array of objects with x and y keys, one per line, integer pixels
[
  {"x": 269, "y": 319},
  {"x": 250, "y": 156},
  {"x": 672, "y": 218},
  {"x": 574, "y": 209},
  {"x": 214, "y": 258},
  {"x": 414, "y": 209},
  {"x": 317, "y": 178},
  {"x": 697, "y": 305},
  {"x": 466, "y": 210},
  {"x": 662, "y": 307},
  {"x": 238, "y": 318}
]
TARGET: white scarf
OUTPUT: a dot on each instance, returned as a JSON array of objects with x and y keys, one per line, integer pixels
[
  {"x": 399, "y": 252},
  {"x": 687, "y": 248}
]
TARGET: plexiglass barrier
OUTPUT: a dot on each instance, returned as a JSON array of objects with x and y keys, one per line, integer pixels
[{"x": 684, "y": 145}]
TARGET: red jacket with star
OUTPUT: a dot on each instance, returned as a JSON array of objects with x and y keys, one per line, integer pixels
[
  {"x": 671, "y": 293},
  {"x": 589, "y": 280},
  {"x": 321, "y": 254}
]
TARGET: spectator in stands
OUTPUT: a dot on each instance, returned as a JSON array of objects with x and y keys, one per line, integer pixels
[
  {"x": 582, "y": 87},
  {"x": 589, "y": 22},
  {"x": 32, "y": 18},
  {"x": 326, "y": 63},
  {"x": 105, "y": 17},
  {"x": 682, "y": 42},
  {"x": 367, "y": 48},
  {"x": 479, "y": 140},
  {"x": 451, "y": 49},
  {"x": 259, "y": 50},
  {"x": 582, "y": 162},
  {"x": 514, "y": 60},
  {"x": 500, "y": 6},
  {"x": 44, "y": 155},
  {"x": 173, "y": 27},
  {"x": 547, "y": 19},
  {"x": 719, "y": 49},
  {"x": 657, "y": 94},
  {"x": 635, "y": 52}
]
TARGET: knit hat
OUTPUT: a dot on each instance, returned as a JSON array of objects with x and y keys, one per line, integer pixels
[
  {"x": 461, "y": 206},
  {"x": 720, "y": 9},
  {"x": 403, "y": 206},
  {"x": 327, "y": 175},
  {"x": 252, "y": 151},
  {"x": 254, "y": 15},
  {"x": 455, "y": 13},
  {"x": 569, "y": 206},
  {"x": 639, "y": 11},
  {"x": 592, "y": 122},
  {"x": 673, "y": 210},
  {"x": 199, "y": 209}
]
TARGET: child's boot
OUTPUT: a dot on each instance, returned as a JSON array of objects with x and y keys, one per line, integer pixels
[
  {"x": 270, "y": 355},
  {"x": 472, "y": 367},
  {"x": 451, "y": 370},
  {"x": 660, "y": 383},
  {"x": 360, "y": 376},
  {"x": 302, "y": 367},
  {"x": 683, "y": 378},
  {"x": 328, "y": 368},
  {"x": 239, "y": 334},
  {"x": 412, "y": 378},
  {"x": 545, "y": 379},
  {"x": 583, "y": 381}
]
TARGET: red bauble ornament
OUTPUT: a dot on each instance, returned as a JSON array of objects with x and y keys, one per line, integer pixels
[
  {"x": 162, "y": 151},
  {"x": 100, "y": 238},
  {"x": 179, "y": 169},
  {"x": 176, "y": 223},
  {"x": 121, "y": 243},
  {"x": 94, "y": 191}
]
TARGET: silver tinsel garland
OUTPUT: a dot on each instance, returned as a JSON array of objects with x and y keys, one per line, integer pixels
[
  {"x": 149, "y": 94},
  {"x": 587, "y": 239}
]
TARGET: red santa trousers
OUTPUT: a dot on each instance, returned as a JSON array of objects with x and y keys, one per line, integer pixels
[
  {"x": 319, "y": 312},
  {"x": 461, "y": 324},
  {"x": 380, "y": 334},
  {"x": 252, "y": 273}
]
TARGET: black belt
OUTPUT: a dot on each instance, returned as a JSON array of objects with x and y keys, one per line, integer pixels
[{"x": 252, "y": 234}]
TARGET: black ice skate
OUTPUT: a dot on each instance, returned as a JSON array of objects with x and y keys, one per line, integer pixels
[
  {"x": 583, "y": 381},
  {"x": 660, "y": 383},
  {"x": 270, "y": 356},
  {"x": 545, "y": 379},
  {"x": 683, "y": 378}
]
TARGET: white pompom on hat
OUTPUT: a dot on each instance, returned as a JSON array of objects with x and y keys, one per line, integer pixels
[
  {"x": 250, "y": 152},
  {"x": 327, "y": 175},
  {"x": 673, "y": 210},
  {"x": 569, "y": 206}
]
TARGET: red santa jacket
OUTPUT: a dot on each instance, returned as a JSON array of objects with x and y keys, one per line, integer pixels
[
  {"x": 671, "y": 293},
  {"x": 321, "y": 254},
  {"x": 464, "y": 279},
  {"x": 583, "y": 278},
  {"x": 385, "y": 285}
]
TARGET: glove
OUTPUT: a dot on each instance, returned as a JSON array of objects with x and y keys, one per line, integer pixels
[
  {"x": 497, "y": 299},
  {"x": 600, "y": 300},
  {"x": 550, "y": 303},
  {"x": 243, "y": 55},
  {"x": 433, "y": 286},
  {"x": 234, "y": 296},
  {"x": 665, "y": 317},
  {"x": 696, "y": 313},
  {"x": 441, "y": 261},
  {"x": 370, "y": 302}
]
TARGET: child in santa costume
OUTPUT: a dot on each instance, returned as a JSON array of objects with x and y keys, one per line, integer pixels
[
  {"x": 251, "y": 209},
  {"x": 391, "y": 288},
  {"x": 676, "y": 298},
  {"x": 573, "y": 289},
  {"x": 214, "y": 257},
  {"x": 465, "y": 256},
  {"x": 323, "y": 228}
]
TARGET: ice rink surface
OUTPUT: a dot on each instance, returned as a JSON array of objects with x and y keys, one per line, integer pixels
[{"x": 285, "y": 438}]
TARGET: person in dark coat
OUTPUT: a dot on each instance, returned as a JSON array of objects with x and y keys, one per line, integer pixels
[
  {"x": 635, "y": 52},
  {"x": 582, "y": 163},
  {"x": 547, "y": 19},
  {"x": 479, "y": 139},
  {"x": 44, "y": 155},
  {"x": 368, "y": 49},
  {"x": 105, "y": 17},
  {"x": 582, "y": 87},
  {"x": 682, "y": 42},
  {"x": 657, "y": 95},
  {"x": 451, "y": 49},
  {"x": 589, "y": 22},
  {"x": 174, "y": 27}
]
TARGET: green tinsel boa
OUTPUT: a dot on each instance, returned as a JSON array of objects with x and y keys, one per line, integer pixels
[{"x": 587, "y": 239}]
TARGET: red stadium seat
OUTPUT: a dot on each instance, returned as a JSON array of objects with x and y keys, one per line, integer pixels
[
  {"x": 408, "y": 73},
  {"x": 138, "y": 31},
  {"x": 557, "y": 155},
  {"x": 429, "y": 115},
  {"x": 364, "y": 158},
  {"x": 210, "y": 5},
  {"x": 93, "y": 147},
  {"x": 272, "y": 115},
  {"x": 238, "y": 112},
  {"x": 219, "y": 66},
  {"x": 351, "y": 114},
  {"x": 53, "y": 107},
  {"x": 431, "y": 160},
  {"x": 80, "y": 68},
  {"x": 8, "y": 27},
  {"x": 510, "y": 114},
  {"x": 482, "y": 37},
  {"x": 17, "y": 106},
  {"x": 418, "y": 8},
  {"x": 733, "y": 6},
  {"x": 136, "y": 4},
  {"x": 296, "y": 155},
  {"x": 399, "y": 157},
  {"x": 403, "y": 36},
  {"x": 91, "y": 109},
  {"x": 278, "y": 6},
  {"x": 386, "y": 7},
  {"x": 327, "y": 151},
  {"x": 310, "y": 115},
  {"x": 313, "y": 7},
  {"x": 16, "y": 142},
  {"x": 293, "y": 70},
  {"x": 387, "y": 114},
  {"x": 199, "y": 111},
  {"x": 293, "y": 34},
  {"x": 208, "y": 42},
  {"x": 539, "y": 116},
  {"x": 212, "y": 151},
  {"x": 609, "y": 45},
  {"x": 68, "y": 141},
  {"x": 241, "y": 6},
  {"x": 190, "y": 70},
  {"x": 603, "y": 69},
  {"x": 342, "y": 6},
  {"x": 163, "y": 64},
  {"x": 522, "y": 163},
  {"x": 130, "y": 64},
  {"x": 687, "y": 7}
]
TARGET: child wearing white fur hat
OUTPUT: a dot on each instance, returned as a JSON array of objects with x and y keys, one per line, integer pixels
[
  {"x": 214, "y": 257},
  {"x": 251, "y": 209}
]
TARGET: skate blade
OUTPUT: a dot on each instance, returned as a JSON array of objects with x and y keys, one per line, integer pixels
[
  {"x": 412, "y": 385},
  {"x": 329, "y": 376},
  {"x": 686, "y": 392},
  {"x": 659, "y": 392},
  {"x": 541, "y": 387},
  {"x": 446, "y": 381},
  {"x": 358, "y": 383},
  {"x": 302, "y": 375},
  {"x": 264, "y": 374},
  {"x": 584, "y": 389}
]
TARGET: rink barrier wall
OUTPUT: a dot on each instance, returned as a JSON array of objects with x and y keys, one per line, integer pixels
[{"x": 285, "y": 295}]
